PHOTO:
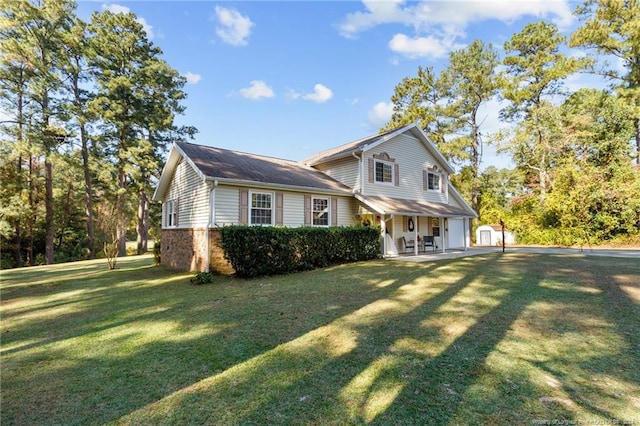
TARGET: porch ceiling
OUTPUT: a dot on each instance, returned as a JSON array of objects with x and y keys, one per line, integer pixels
[{"x": 398, "y": 206}]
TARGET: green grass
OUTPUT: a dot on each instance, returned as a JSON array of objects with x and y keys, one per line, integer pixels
[{"x": 490, "y": 339}]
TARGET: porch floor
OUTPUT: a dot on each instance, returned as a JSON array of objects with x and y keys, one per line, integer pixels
[{"x": 439, "y": 255}]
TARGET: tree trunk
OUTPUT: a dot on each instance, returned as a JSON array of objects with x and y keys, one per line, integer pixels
[
  {"x": 18, "y": 224},
  {"x": 143, "y": 222},
  {"x": 121, "y": 231},
  {"x": 88, "y": 192},
  {"x": 17, "y": 241},
  {"x": 32, "y": 214},
  {"x": 48, "y": 203}
]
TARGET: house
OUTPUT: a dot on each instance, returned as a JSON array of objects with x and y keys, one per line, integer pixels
[
  {"x": 491, "y": 235},
  {"x": 397, "y": 180}
]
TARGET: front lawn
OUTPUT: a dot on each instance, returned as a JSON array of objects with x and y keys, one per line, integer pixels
[{"x": 516, "y": 338}]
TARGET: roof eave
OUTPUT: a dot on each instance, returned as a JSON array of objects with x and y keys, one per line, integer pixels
[
  {"x": 460, "y": 198},
  {"x": 335, "y": 157},
  {"x": 369, "y": 204},
  {"x": 268, "y": 185},
  {"x": 167, "y": 171}
]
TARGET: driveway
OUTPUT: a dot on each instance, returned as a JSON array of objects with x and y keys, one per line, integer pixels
[{"x": 473, "y": 251}]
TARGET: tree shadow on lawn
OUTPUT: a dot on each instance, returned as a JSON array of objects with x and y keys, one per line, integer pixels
[
  {"x": 370, "y": 343},
  {"x": 406, "y": 360},
  {"x": 607, "y": 380},
  {"x": 134, "y": 335}
]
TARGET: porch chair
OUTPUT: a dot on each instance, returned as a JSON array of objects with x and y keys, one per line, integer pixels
[
  {"x": 407, "y": 245},
  {"x": 429, "y": 241}
]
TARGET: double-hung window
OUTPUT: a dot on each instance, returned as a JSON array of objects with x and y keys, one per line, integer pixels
[
  {"x": 435, "y": 226},
  {"x": 172, "y": 214},
  {"x": 383, "y": 172},
  {"x": 433, "y": 181},
  {"x": 320, "y": 211},
  {"x": 261, "y": 208}
]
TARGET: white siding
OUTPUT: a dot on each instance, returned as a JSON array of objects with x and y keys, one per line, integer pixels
[
  {"x": 346, "y": 170},
  {"x": 293, "y": 209},
  {"x": 192, "y": 197},
  {"x": 347, "y": 211},
  {"x": 412, "y": 158},
  {"x": 227, "y": 208}
]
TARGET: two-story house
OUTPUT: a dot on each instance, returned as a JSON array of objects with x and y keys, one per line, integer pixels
[{"x": 397, "y": 180}]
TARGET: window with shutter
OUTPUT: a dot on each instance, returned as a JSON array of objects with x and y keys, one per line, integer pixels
[
  {"x": 320, "y": 211},
  {"x": 261, "y": 208}
]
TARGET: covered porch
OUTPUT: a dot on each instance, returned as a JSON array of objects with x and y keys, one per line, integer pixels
[{"x": 411, "y": 227}]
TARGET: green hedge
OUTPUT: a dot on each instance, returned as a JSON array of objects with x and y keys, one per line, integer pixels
[{"x": 256, "y": 251}]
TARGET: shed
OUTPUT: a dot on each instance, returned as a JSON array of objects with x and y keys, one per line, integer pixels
[{"x": 491, "y": 235}]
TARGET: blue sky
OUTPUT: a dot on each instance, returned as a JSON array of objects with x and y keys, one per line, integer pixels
[{"x": 291, "y": 78}]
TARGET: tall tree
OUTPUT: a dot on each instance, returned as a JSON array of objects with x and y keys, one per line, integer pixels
[
  {"x": 76, "y": 71},
  {"x": 470, "y": 81},
  {"x": 612, "y": 27},
  {"x": 14, "y": 74},
  {"x": 535, "y": 71},
  {"x": 418, "y": 99},
  {"x": 37, "y": 29},
  {"x": 138, "y": 96}
]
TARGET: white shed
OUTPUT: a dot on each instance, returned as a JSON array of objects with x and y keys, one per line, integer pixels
[{"x": 491, "y": 235}]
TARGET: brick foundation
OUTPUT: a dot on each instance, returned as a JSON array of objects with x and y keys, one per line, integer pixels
[{"x": 184, "y": 249}]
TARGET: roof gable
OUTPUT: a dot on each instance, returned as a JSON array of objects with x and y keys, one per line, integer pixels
[{"x": 373, "y": 141}]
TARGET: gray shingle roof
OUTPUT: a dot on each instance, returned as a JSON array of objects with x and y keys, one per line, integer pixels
[
  {"x": 414, "y": 207},
  {"x": 224, "y": 164},
  {"x": 346, "y": 149}
]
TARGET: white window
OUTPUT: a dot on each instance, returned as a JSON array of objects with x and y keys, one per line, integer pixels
[
  {"x": 261, "y": 208},
  {"x": 172, "y": 213},
  {"x": 433, "y": 182},
  {"x": 383, "y": 172},
  {"x": 435, "y": 226},
  {"x": 320, "y": 211}
]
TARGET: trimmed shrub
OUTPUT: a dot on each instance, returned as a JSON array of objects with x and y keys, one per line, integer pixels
[
  {"x": 200, "y": 278},
  {"x": 256, "y": 251}
]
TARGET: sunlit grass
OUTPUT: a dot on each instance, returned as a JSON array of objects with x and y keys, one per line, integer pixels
[{"x": 493, "y": 339}]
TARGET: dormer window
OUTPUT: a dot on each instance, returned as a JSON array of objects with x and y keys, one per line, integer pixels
[
  {"x": 384, "y": 172},
  {"x": 383, "y": 169},
  {"x": 433, "y": 181}
]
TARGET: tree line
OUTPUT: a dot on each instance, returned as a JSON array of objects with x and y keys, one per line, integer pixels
[
  {"x": 574, "y": 180},
  {"x": 89, "y": 109}
]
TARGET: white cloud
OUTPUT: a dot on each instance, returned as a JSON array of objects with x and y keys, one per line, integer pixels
[
  {"x": 423, "y": 15},
  {"x": 116, "y": 8},
  {"x": 438, "y": 24},
  {"x": 233, "y": 28},
  {"x": 320, "y": 94},
  {"x": 192, "y": 78},
  {"x": 418, "y": 47},
  {"x": 380, "y": 114},
  {"x": 258, "y": 89},
  {"x": 293, "y": 95}
]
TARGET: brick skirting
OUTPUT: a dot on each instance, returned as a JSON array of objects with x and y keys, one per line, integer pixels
[{"x": 185, "y": 250}]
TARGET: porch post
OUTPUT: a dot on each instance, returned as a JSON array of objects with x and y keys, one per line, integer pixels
[
  {"x": 415, "y": 235},
  {"x": 443, "y": 234},
  {"x": 383, "y": 228}
]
